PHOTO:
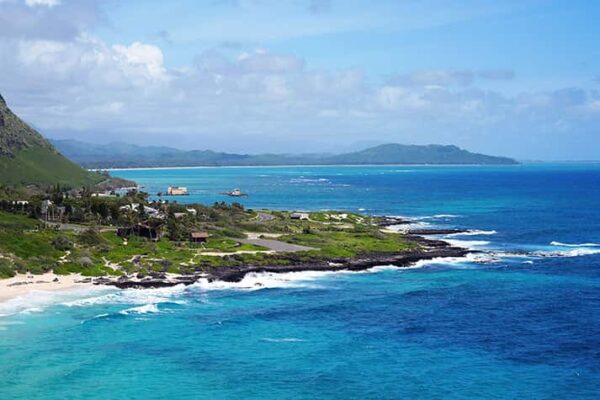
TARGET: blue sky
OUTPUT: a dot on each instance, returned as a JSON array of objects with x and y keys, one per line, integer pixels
[{"x": 516, "y": 78}]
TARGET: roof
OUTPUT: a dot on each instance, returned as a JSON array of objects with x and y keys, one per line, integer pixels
[{"x": 199, "y": 235}]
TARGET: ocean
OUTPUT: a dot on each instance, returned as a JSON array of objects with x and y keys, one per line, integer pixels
[{"x": 521, "y": 319}]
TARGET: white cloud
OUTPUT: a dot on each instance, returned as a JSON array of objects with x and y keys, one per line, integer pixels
[
  {"x": 264, "y": 101},
  {"x": 140, "y": 58},
  {"x": 89, "y": 61},
  {"x": 46, "y": 3},
  {"x": 48, "y": 19}
]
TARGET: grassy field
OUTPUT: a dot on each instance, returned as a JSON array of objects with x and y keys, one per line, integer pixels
[
  {"x": 41, "y": 165},
  {"x": 26, "y": 247}
]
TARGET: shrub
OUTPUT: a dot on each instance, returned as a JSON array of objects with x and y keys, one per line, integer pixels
[
  {"x": 6, "y": 269},
  {"x": 379, "y": 235},
  {"x": 233, "y": 233},
  {"x": 103, "y": 248},
  {"x": 91, "y": 237},
  {"x": 62, "y": 243},
  {"x": 40, "y": 265},
  {"x": 85, "y": 262}
]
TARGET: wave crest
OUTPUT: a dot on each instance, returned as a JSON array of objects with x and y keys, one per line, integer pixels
[
  {"x": 474, "y": 232},
  {"x": 554, "y": 243}
]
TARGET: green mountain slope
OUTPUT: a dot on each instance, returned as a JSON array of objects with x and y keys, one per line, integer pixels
[
  {"x": 410, "y": 154},
  {"x": 26, "y": 158},
  {"x": 120, "y": 155}
]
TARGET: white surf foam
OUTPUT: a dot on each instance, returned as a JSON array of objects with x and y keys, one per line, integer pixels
[
  {"x": 269, "y": 280},
  {"x": 553, "y": 243},
  {"x": 437, "y": 216},
  {"x": 283, "y": 340},
  {"x": 471, "y": 258},
  {"x": 473, "y": 232},
  {"x": 469, "y": 244},
  {"x": 309, "y": 180},
  {"x": 426, "y": 217},
  {"x": 133, "y": 297},
  {"x": 39, "y": 300},
  {"x": 577, "y": 252},
  {"x": 145, "y": 309},
  {"x": 574, "y": 252}
]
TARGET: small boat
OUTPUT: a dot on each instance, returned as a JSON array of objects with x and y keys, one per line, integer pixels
[{"x": 235, "y": 193}]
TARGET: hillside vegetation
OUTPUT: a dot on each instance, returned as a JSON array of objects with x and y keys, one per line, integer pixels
[
  {"x": 121, "y": 155},
  {"x": 26, "y": 158},
  {"x": 89, "y": 243}
]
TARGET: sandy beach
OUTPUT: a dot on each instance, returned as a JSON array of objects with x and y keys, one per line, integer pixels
[{"x": 23, "y": 284}]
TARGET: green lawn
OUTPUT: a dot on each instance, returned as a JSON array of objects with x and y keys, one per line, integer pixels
[{"x": 349, "y": 244}]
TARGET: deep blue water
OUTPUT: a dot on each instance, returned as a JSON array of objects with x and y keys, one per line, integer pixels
[{"x": 522, "y": 320}]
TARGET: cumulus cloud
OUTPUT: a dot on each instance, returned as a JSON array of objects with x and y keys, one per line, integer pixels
[
  {"x": 48, "y": 19},
  {"x": 46, "y": 3},
  {"x": 451, "y": 77},
  {"x": 72, "y": 84}
]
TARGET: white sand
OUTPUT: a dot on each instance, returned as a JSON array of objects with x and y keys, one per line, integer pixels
[{"x": 22, "y": 285}]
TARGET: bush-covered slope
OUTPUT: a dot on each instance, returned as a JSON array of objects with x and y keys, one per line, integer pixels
[
  {"x": 26, "y": 158},
  {"x": 120, "y": 155},
  {"x": 411, "y": 154}
]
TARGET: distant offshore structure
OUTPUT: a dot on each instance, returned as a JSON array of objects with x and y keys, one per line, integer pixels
[
  {"x": 235, "y": 193},
  {"x": 177, "y": 191}
]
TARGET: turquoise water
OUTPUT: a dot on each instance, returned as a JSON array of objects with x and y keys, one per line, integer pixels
[{"x": 520, "y": 320}]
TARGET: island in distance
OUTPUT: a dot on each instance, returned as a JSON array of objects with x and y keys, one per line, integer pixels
[{"x": 122, "y": 155}]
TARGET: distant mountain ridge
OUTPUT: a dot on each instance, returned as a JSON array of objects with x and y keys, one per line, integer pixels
[
  {"x": 122, "y": 155},
  {"x": 28, "y": 159}
]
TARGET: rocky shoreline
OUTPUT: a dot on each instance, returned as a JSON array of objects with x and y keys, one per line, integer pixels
[{"x": 430, "y": 249}]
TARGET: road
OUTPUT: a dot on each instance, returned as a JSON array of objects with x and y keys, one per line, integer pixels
[{"x": 276, "y": 245}]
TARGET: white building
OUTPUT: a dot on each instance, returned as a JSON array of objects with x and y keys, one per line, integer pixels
[
  {"x": 177, "y": 191},
  {"x": 151, "y": 212},
  {"x": 300, "y": 215}
]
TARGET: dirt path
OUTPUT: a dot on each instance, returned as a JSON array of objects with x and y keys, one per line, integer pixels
[{"x": 276, "y": 245}]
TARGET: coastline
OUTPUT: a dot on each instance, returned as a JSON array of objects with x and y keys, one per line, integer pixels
[
  {"x": 24, "y": 284},
  {"x": 430, "y": 249},
  {"x": 298, "y": 166}
]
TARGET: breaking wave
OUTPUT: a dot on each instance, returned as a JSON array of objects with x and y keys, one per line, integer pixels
[
  {"x": 145, "y": 309},
  {"x": 473, "y": 232},
  {"x": 553, "y": 243},
  {"x": 38, "y": 300},
  {"x": 283, "y": 340},
  {"x": 469, "y": 244},
  {"x": 567, "y": 253},
  {"x": 138, "y": 297}
]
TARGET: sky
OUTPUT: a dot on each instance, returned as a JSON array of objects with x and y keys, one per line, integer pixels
[{"x": 516, "y": 78}]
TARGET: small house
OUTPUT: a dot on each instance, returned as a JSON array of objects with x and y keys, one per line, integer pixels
[
  {"x": 299, "y": 216},
  {"x": 142, "y": 230},
  {"x": 198, "y": 237}
]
